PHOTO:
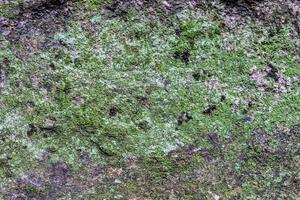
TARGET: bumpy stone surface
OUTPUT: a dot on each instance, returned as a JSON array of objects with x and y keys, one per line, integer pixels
[{"x": 149, "y": 100}]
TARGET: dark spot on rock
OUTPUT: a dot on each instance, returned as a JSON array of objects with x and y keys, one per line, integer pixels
[
  {"x": 144, "y": 101},
  {"x": 30, "y": 104},
  {"x": 178, "y": 31},
  {"x": 197, "y": 76},
  {"x": 206, "y": 153},
  {"x": 177, "y": 55},
  {"x": 179, "y": 122},
  {"x": 5, "y": 62},
  {"x": 49, "y": 126},
  {"x": 244, "y": 111},
  {"x": 84, "y": 156},
  {"x": 184, "y": 117},
  {"x": 295, "y": 130},
  {"x": 102, "y": 150},
  {"x": 206, "y": 73},
  {"x": 36, "y": 6},
  {"x": 144, "y": 125},
  {"x": 58, "y": 2},
  {"x": 48, "y": 86},
  {"x": 273, "y": 72},
  {"x": 166, "y": 84},
  {"x": 250, "y": 103},
  {"x": 186, "y": 57},
  {"x": 213, "y": 138},
  {"x": 118, "y": 13},
  {"x": 112, "y": 6},
  {"x": 116, "y": 9},
  {"x": 45, "y": 135},
  {"x": 113, "y": 111},
  {"x": 243, "y": 157},
  {"x": 18, "y": 84},
  {"x": 49, "y": 129},
  {"x": 209, "y": 109},
  {"x": 51, "y": 150},
  {"x": 137, "y": 34},
  {"x": 32, "y": 129},
  {"x": 188, "y": 117},
  {"x": 52, "y": 66},
  {"x": 248, "y": 119},
  {"x": 223, "y": 97}
]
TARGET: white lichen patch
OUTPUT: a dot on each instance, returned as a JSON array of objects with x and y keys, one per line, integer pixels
[{"x": 13, "y": 121}]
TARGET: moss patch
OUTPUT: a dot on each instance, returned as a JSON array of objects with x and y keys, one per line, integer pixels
[{"x": 187, "y": 110}]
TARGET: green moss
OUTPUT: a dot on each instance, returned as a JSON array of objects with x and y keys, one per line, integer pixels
[
  {"x": 9, "y": 9},
  {"x": 95, "y": 5},
  {"x": 121, "y": 92}
]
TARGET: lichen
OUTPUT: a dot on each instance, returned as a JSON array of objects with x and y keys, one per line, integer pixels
[{"x": 152, "y": 110}]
